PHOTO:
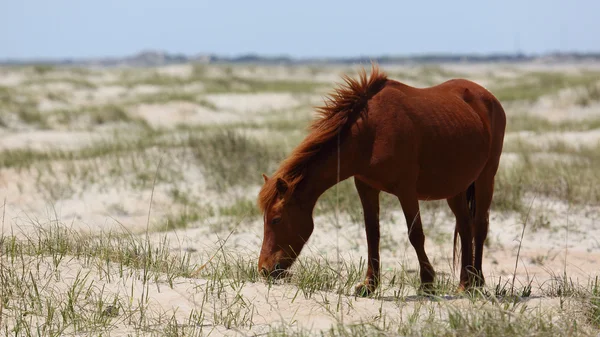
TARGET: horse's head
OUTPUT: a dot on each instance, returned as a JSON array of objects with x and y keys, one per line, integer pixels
[{"x": 287, "y": 227}]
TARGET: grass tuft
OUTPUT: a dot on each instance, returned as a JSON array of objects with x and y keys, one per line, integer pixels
[
  {"x": 233, "y": 159},
  {"x": 533, "y": 85}
]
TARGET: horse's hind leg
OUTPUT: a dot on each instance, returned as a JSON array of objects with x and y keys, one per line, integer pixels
[
  {"x": 484, "y": 191},
  {"x": 369, "y": 198},
  {"x": 410, "y": 206},
  {"x": 458, "y": 205}
]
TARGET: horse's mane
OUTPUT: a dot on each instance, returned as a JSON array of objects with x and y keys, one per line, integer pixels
[{"x": 340, "y": 106}]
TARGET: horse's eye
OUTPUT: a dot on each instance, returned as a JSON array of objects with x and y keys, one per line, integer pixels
[{"x": 275, "y": 221}]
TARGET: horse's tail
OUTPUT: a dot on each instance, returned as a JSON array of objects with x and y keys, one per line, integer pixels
[
  {"x": 471, "y": 199},
  {"x": 471, "y": 204}
]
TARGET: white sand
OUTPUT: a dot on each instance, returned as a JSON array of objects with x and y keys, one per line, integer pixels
[
  {"x": 260, "y": 103},
  {"x": 41, "y": 140},
  {"x": 182, "y": 113}
]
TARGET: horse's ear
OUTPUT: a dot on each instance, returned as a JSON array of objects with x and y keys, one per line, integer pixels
[
  {"x": 282, "y": 186},
  {"x": 265, "y": 178}
]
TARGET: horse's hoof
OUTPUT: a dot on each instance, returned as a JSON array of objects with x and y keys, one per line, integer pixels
[
  {"x": 364, "y": 290},
  {"x": 478, "y": 281},
  {"x": 472, "y": 279},
  {"x": 464, "y": 288},
  {"x": 427, "y": 289}
]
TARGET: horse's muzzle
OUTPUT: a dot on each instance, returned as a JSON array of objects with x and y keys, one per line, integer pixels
[{"x": 276, "y": 272}]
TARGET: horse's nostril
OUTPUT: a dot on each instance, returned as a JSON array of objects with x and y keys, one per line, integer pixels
[
  {"x": 277, "y": 266},
  {"x": 264, "y": 271}
]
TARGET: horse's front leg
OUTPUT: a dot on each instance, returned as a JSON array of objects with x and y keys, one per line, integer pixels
[{"x": 369, "y": 198}]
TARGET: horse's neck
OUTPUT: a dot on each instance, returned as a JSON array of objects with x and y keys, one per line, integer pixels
[{"x": 327, "y": 169}]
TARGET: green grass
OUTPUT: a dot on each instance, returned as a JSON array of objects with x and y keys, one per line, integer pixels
[
  {"x": 133, "y": 78},
  {"x": 574, "y": 180},
  {"x": 34, "y": 264},
  {"x": 40, "y": 292},
  {"x": 76, "y": 82},
  {"x": 509, "y": 189},
  {"x": 168, "y": 96},
  {"x": 321, "y": 281},
  {"x": 109, "y": 114},
  {"x": 131, "y": 160},
  {"x": 236, "y": 84},
  {"x": 164, "y": 97},
  {"x": 232, "y": 159},
  {"x": 59, "y": 242},
  {"x": 228, "y": 82},
  {"x": 190, "y": 210},
  {"x": 594, "y": 304},
  {"x": 42, "y": 69},
  {"x": 429, "y": 71},
  {"x": 254, "y": 85},
  {"x": 32, "y": 116},
  {"x": 183, "y": 219},
  {"x": 18, "y": 103},
  {"x": 6, "y": 93},
  {"x": 240, "y": 209},
  {"x": 290, "y": 126},
  {"x": 91, "y": 116},
  {"x": 531, "y": 86},
  {"x": 590, "y": 94},
  {"x": 344, "y": 197},
  {"x": 22, "y": 106},
  {"x": 24, "y": 158},
  {"x": 94, "y": 116},
  {"x": 528, "y": 122}
]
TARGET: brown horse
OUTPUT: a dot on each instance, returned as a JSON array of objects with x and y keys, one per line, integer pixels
[{"x": 441, "y": 142}]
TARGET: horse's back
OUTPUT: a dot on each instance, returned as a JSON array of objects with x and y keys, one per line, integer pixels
[
  {"x": 440, "y": 135},
  {"x": 452, "y": 109},
  {"x": 474, "y": 94},
  {"x": 479, "y": 99}
]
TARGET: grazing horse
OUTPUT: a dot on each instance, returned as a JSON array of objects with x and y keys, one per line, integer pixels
[{"x": 441, "y": 142}]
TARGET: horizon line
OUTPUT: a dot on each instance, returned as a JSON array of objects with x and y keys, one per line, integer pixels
[{"x": 148, "y": 51}]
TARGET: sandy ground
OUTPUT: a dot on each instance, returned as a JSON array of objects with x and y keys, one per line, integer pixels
[{"x": 53, "y": 191}]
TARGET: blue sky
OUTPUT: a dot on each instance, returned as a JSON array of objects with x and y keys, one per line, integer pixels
[{"x": 84, "y": 28}]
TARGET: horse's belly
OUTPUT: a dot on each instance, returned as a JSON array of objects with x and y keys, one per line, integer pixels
[{"x": 448, "y": 165}]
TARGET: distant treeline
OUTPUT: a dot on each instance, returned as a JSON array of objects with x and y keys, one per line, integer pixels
[{"x": 154, "y": 58}]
